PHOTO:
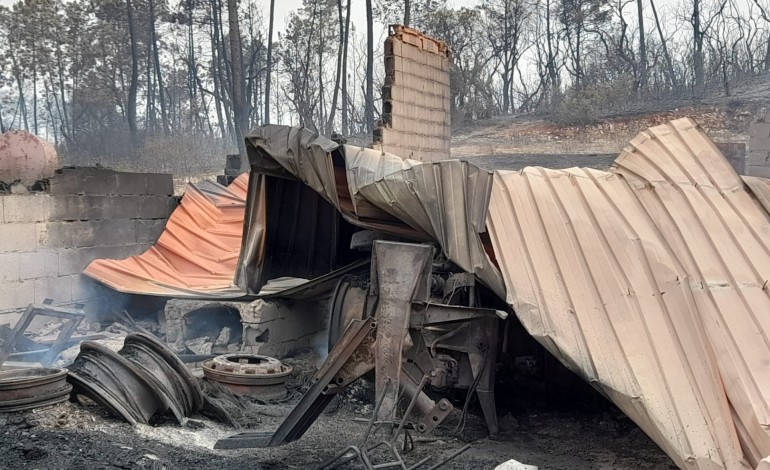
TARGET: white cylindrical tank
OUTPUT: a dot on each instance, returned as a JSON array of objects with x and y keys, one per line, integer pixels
[{"x": 26, "y": 157}]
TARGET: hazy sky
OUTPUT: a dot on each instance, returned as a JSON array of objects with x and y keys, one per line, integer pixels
[{"x": 284, "y": 7}]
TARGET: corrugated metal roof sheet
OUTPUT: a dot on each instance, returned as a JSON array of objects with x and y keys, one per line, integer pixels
[
  {"x": 650, "y": 282},
  {"x": 443, "y": 201},
  {"x": 196, "y": 254}
]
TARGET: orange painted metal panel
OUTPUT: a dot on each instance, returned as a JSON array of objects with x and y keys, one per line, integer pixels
[{"x": 196, "y": 254}]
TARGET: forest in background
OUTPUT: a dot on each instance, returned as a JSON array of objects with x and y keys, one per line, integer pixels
[{"x": 163, "y": 79}]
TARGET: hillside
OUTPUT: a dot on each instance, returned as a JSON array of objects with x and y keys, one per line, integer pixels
[{"x": 536, "y": 140}]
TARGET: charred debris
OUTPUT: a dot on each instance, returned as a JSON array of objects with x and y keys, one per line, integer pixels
[{"x": 448, "y": 288}]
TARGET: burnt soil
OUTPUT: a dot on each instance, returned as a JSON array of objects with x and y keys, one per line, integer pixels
[{"x": 69, "y": 436}]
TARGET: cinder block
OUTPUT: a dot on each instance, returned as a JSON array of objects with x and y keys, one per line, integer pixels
[
  {"x": 429, "y": 46},
  {"x": 131, "y": 183},
  {"x": 16, "y": 295},
  {"x": 161, "y": 184},
  {"x": 148, "y": 231},
  {"x": 18, "y": 237},
  {"x": 95, "y": 207},
  {"x": 411, "y": 40},
  {"x": 738, "y": 164},
  {"x": 761, "y": 171},
  {"x": 27, "y": 208},
  {"x": 145, "y": 183},
  {"x": 103, "y": 181},
  {"x": 111, "y": 207},
  {"x": 105, "y": 232},
  {"x": 9, "y": 267},
  {"x": 759, "y": 129},
  {"x": 412, "y": 53},
  {"x": 399, "y": 123},
  {"x": 759, "y": 144},
  {"x": 758, "y": 158},
  {"x": 58, "y": 288},
  {"x": 87, "y": 233},
  {"x": 37, "y": 264},
  {"x": 75, "y": 207},
  {"x": 156, "y": 207},
  {"x": 290, "y": 325},
  {"x": 123, "y": 207},
  {"x": 393, "y": 46},
  {"x": 74, "y": 261},
  {"x": 84, "y": 181}
]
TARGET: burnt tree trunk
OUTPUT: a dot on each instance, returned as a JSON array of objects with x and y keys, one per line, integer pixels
[
  {"x": 269, "y": 62},
  {"x": 236, "y": 59},
  {"x": 134, "y": 84},
  {"x": 642, "y": 48},
  {"x": 369, "y": 105}
]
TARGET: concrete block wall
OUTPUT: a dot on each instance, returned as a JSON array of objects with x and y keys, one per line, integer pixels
[
  {"x": 269, "y": 327},
  {"x": 735, "y": 153},
  {"x": 416, "y": 116},
  {"x": 758, "y": 160},
  {"x": 47, "y": 239}
]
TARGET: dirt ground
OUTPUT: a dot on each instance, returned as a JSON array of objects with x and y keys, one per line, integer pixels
[
  {"x": 64, "y": 437},
  {"x": 508, "y": 138},
  {"x": 69, "y": 436}
]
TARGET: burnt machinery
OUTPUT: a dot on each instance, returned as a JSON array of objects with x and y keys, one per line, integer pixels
[{"x": 416, "y": 324}]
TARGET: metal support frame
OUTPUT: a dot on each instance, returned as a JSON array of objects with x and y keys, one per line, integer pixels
[
  {"x": 72, "y": 318},
  {"x": 390, "y": 340},
  {"x": 326, "y": 384},
  {"x": 400, "y": 273}
]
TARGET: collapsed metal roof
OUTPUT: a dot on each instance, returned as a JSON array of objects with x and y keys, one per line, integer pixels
[
  {"x": 649, "y": 280},
  {"x": 195, "y": 255},
  {"x": 443, "y": 201}
]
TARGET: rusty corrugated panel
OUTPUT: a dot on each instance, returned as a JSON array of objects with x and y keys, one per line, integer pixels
[
  {"x": 650, "y": 282},
  {"x": 760, "y": 187},
  {"x": 196, "y": 254},
  {"x": 446, "y": 200},
  {"x": 443, "y": 201}
]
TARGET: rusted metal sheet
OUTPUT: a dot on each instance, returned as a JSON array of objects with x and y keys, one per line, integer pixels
[
  {"x": 24, "y": 389},
  {"x": 649, "y": 281},
  {"x": 26, "y": 157},
  {"x": 444, "y": 201},
  {"x": 196, "y": 254},
  {"x": 251, "y": 375},
  {"x": 142, "y": 379},
  {"x": 14, "y": 344}
]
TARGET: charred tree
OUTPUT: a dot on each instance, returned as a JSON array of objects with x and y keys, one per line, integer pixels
[
  {"x": 269, "y": 71},
  {"x": 369, "y": 105},
  {"x": 134, "y": 84}
]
